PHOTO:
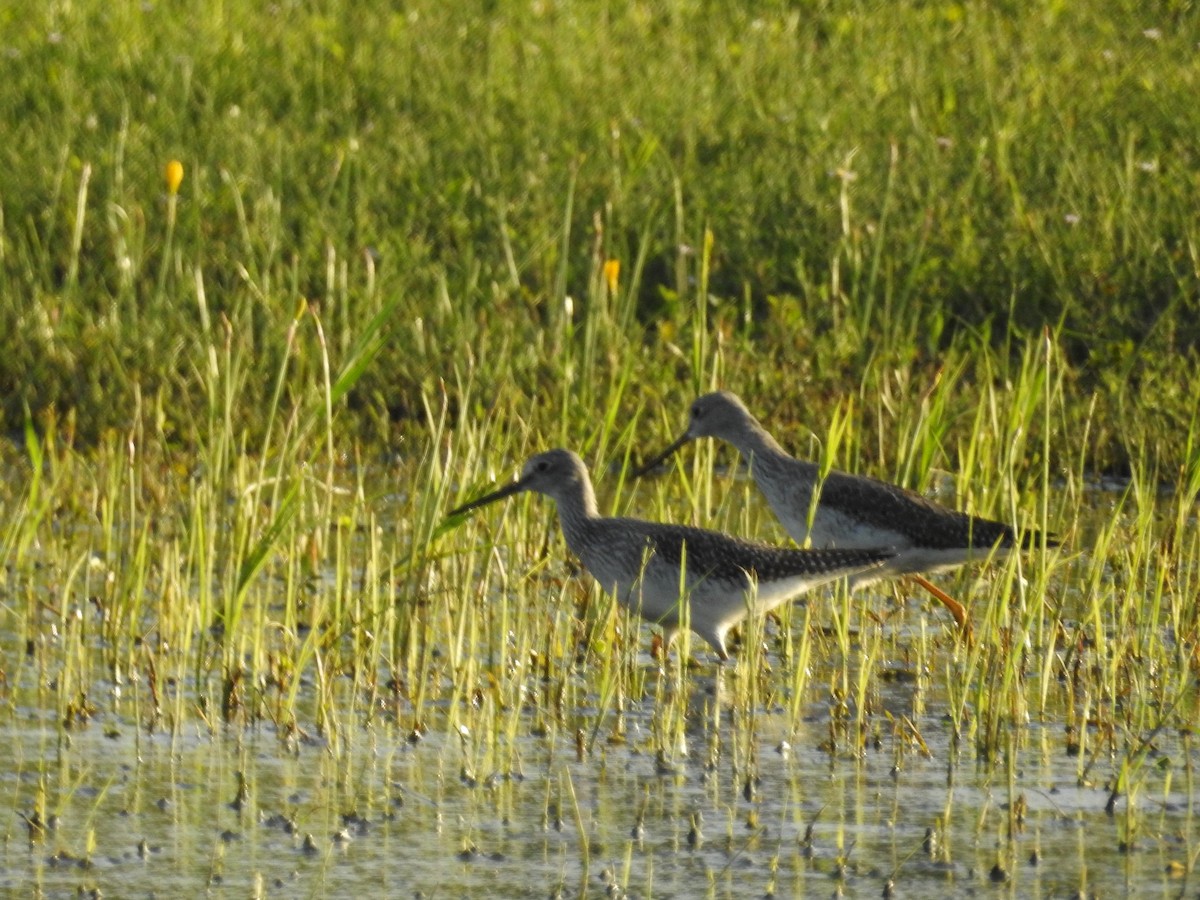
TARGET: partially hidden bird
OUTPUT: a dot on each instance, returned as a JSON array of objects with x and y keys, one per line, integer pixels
[{"x": 852, "y": 511}]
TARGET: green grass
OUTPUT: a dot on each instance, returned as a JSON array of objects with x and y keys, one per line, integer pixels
[
  {"x": 884, "y": 190},
  {"x": 951, "y": 246}
]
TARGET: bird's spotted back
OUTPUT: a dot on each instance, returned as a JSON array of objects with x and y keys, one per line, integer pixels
[{"x": 722, "y": 557}]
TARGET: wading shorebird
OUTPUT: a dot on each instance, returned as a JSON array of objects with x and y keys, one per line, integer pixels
[
  {"x": 655, "y": 569},
  {"x": 853, "y": 511}
]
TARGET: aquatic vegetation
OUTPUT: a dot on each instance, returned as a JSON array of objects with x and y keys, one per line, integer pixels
[{"x": 242, "y": 646}]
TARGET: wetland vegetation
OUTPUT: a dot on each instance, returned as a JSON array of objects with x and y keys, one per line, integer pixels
[{"x": 241, "y": 646}]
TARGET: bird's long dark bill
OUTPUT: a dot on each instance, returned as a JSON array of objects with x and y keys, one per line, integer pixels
[
  {"x": 646, "y": 467},
  {"x": 506, "y": 491}
]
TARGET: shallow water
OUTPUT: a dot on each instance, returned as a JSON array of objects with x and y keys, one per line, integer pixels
[
  {"x": 131, "y": 814},
  {"x": 746, "y": 809}
]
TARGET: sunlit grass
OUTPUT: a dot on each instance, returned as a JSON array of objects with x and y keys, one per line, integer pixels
[{"x": 941, "y": 246}]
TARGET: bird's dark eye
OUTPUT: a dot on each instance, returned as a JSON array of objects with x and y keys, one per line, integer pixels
[
  {"x": 542, "y": 466},
  {"x": 697, "y": 412}
]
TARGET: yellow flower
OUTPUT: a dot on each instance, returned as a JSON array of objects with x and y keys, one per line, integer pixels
[
  {"x": 612, "y": 274},
  {"x": 174, "y": 176}
]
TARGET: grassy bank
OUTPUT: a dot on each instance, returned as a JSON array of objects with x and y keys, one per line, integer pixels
[{"x": 888, "y": 191}]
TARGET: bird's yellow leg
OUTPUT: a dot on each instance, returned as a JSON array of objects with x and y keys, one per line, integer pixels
[{"x": 956, "y": 608}]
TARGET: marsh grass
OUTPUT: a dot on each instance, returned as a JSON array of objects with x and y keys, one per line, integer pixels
[{"x": 411, "y": 250}]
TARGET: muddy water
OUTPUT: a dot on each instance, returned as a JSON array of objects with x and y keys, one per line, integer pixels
[
  {"x": 233, "y": 811},
  {"x": 241, "y": 813}
]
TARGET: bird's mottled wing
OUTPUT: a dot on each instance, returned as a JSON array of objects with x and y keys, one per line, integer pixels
[
  {"x": 711, "y": 554},
  {"x": 907, "y": 512}
]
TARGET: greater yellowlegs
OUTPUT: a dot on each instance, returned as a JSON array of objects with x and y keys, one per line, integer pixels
[
  {"x": 654, "y": 569},
  {"x": 852, "y": 510}
]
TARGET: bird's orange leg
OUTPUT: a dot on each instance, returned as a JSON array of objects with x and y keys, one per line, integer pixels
[{"x": 956, "y": 608}]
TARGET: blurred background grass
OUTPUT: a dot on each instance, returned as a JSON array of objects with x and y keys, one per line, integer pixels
[{"x": 889, "y": 191}]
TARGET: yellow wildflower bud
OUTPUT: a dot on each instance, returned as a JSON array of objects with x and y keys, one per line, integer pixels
[
  {"x": 612, "y": 274},
  {"x": 174, "y": 176}
]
